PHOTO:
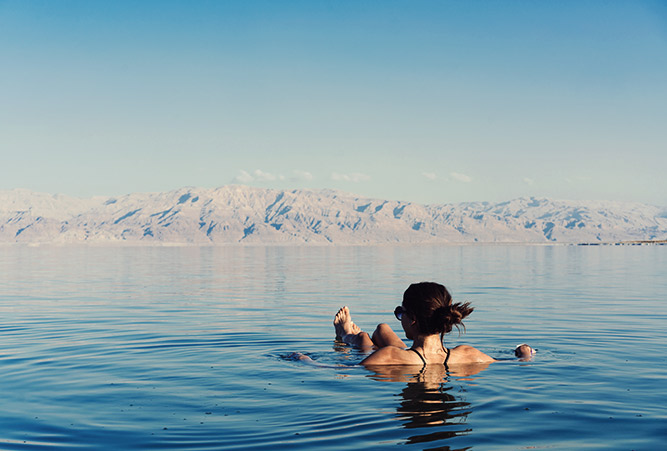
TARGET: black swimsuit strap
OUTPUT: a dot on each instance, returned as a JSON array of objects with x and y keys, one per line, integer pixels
[
  {"x": 424, "y": 360},
  {"x": 419, "y": 354}
]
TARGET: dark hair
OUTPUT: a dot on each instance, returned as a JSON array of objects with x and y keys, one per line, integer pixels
[{"x": 431, "y": 305}]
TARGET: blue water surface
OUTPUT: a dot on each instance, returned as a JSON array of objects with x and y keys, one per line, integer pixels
[{"x": 187, "y": 348}]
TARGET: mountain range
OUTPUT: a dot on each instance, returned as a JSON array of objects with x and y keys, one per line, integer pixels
[{"x": 237, "y": 214}]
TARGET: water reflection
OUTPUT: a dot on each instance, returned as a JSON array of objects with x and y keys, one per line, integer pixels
[{"x": 428, "y": 402}]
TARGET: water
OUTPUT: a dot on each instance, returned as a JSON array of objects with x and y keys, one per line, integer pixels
[{"x": 184, "y": 348}]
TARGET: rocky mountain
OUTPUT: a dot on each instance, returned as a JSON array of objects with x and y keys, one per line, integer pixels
[{"x": 240, "y": 214}]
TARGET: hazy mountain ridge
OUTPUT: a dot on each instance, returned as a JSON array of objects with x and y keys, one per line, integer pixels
[{"x": 240, "y": 214}]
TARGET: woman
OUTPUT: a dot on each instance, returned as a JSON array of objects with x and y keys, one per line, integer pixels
[{"x": 426, "y": 315}]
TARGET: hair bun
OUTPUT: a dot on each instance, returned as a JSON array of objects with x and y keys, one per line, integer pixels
[{"x": 443, "y": 315}]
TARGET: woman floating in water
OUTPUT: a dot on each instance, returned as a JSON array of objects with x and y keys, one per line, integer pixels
[{"x": 426, "y": 315}]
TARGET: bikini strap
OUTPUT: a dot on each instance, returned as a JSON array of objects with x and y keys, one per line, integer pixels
[
  {"x": 419, "y": 354},
  {"x": 424, "y": 360}
]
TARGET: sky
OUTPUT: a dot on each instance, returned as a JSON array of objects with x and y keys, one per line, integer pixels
[{"x": 424, "y": 101}]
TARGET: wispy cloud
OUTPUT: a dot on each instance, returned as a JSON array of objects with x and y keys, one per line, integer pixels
[
  {"x": 243, "y": 177},
  {"x": 430, "y": 175},
  {"x": 528, "y": 181},
  {"x": 256, "y": 176},
  {"x": 261, "y": 176},
  {"x": 355, "y": 177},
  {"x": 460, "y": 177},
  {"x": 302, "y": 176}
]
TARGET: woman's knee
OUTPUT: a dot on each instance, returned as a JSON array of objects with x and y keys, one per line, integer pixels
[
  {"x": 383, "y": 328},
  {"x": 384, "y": 335},
  {"x": 382, "y": 332}
]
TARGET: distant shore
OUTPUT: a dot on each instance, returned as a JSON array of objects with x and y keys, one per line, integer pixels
[
  {"x": 153, "y": 244},
  {"x": 628, "y": 243}
]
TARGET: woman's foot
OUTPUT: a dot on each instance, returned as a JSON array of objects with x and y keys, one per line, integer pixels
[{"x": 343, "y": 324}]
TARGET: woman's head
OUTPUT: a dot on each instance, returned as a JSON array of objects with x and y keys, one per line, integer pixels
[{"x": 430, "y": 304}]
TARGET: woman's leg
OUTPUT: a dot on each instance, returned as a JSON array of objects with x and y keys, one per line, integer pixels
[
  {"x": 385, "y": 336},
  {"x": 351, "y": 334}
]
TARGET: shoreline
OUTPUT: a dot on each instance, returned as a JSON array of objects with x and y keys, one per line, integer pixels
[{"x": 126, "y": 244}]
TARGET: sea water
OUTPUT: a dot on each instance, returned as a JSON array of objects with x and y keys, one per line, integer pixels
[{"x": 188, "y": 348}]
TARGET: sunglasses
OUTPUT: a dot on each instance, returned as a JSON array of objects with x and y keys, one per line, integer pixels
[{"x": 399, "y": 312}]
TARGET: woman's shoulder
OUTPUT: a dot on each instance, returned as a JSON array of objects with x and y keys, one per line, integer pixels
[
  {"x": 392, "y": 355},
  {"x": 468, "y": 354}
]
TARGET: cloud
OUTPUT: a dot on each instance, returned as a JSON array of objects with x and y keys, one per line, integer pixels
[
  {"x": 355, "y": 177},
  {"x": 243, "y": 177},
  {"x": 303, "y": 176},
  {"x": 430, "y": 175},
  {"x": 528, "y": 181},
  {"x": 257, "y": 176},
  {"x": 460, "y": 177},
  {"x": 261, "y": 176}
]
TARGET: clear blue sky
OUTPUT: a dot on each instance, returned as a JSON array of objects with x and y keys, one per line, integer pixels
[{"x": 426, "y": 101}]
